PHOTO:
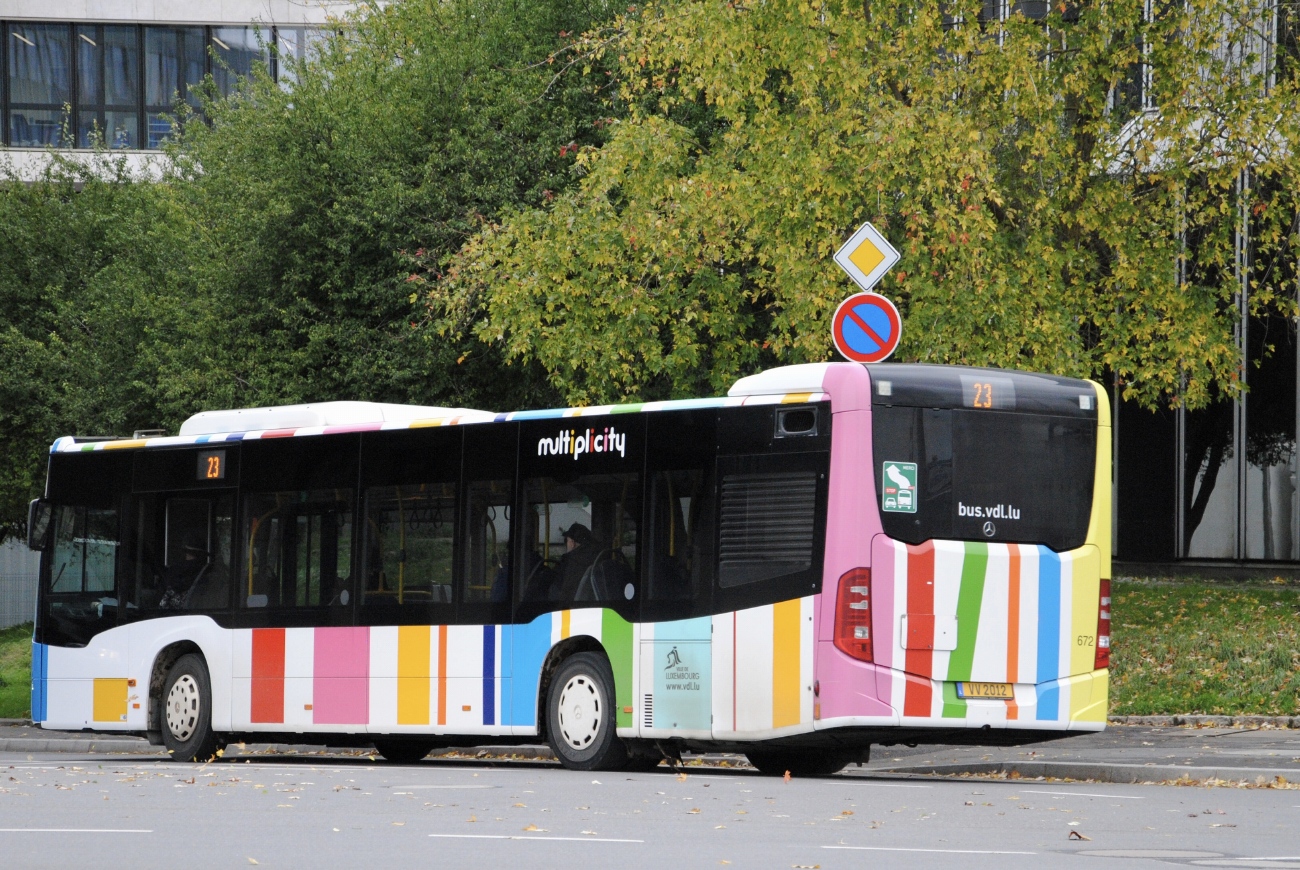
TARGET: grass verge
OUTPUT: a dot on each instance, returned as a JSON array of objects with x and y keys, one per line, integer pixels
[
  {"x": 1199, "y": 647},
  {"x": 16, "y": 672}
]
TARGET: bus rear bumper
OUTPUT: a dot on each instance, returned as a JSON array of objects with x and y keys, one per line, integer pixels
[{"x": 1077, "y": 703}]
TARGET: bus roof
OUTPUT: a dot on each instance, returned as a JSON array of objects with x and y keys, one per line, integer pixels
[{"x": 333, "y": 417}]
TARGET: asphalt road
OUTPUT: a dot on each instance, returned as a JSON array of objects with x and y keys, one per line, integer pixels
[{"x": 63, "y": 810}]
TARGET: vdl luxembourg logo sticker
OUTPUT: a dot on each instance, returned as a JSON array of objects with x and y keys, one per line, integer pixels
[
  {"x": 574, "y": 443},
  {"x": 898, "y": 487}
]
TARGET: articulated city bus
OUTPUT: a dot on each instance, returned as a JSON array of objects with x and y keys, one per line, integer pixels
[{"x": 833, "y": 555}]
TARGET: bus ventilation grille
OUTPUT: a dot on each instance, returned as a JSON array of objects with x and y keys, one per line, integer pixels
[{"x": 649, "y": 706}]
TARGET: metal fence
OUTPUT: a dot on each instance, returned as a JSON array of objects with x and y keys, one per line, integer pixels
[{"x": 18, "y": 572}]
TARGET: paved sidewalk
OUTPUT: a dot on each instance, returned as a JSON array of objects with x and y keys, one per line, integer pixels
[
  {"x": 1122, "y": 753},
  {"x": 1255, "y": 752}
]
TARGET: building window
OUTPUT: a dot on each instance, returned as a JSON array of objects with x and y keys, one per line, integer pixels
[
  {"x": 39, "y": 70},
  {"x": 108, "y": 86},
  {"x": 238, "y": 50},
  {"x": 174, "y": 64},
  {"x": 75, "y": 85}
]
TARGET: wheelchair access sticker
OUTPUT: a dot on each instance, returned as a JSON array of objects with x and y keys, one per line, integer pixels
[{"x": 898, "y": 487}]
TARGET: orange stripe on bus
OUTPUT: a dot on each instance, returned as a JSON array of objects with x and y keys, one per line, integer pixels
[
  {"x": 1013, "y": 615},
  {"x": 442, "y": 675}
]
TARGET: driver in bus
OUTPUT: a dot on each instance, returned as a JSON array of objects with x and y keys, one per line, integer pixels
[
  {"x": 180, "y": 577},
  {"x": 581, "y": 552}
]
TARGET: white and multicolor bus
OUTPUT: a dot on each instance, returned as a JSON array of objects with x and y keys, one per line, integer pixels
[{"x": 833, "y": 555}]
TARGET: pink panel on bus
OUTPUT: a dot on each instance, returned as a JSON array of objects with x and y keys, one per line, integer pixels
[
  {"x": 849, "y": 687},
  {"x": 341, "y": 684}
]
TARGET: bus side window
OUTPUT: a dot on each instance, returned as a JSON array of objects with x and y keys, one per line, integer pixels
[
  {"x": 298, "y": 548},
  {"x": 409, "y": 533},
  {"x": 182, "y": 551},
  {"x": 488, "y": 536},
  {"x": 582, "y": 540},
  {"x": 678, "y": 531}
]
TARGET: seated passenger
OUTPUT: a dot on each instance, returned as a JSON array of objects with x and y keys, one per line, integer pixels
[{"x": 581, "y": 552}]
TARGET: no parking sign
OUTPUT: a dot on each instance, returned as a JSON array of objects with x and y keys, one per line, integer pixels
[{"x": 866, "y": 328}]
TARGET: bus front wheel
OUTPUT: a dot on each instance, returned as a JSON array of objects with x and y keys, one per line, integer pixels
[
  {"x": 797, "y": 762},
  {"x": 187, "y": 711},
  {"x": 581, "y": 717}
]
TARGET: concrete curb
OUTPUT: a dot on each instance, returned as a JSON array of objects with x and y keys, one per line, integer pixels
[
  {"x": 1102, "y": 772},
  {"x": 79, "y": 746}
]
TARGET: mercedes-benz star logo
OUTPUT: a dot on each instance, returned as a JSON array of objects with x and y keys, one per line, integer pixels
[{"x": 990, "y": 530}]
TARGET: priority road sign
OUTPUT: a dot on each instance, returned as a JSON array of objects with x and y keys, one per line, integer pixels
[
  {"x": 866, "y": 328},
  {"x": 866, "y": 256}
]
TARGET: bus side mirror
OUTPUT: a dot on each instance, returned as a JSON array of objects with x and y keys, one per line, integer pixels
[{"x": 39, "y": 513}]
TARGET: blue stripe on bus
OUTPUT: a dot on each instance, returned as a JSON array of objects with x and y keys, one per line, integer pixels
[
  {"x": 40, "y": 673},
  {"x": 547, "y": 414},
  {"x": 528, "y": 645},
  {"x": 489, "y": 674},
  {"x": 1049, "y": 633}
]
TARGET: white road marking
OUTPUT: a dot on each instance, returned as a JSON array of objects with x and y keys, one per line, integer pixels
[
  {"x": 516, "y": 837},
  {"x": 942, "y": 851},
  {"x": 1118, "y": 797},
  {"x": 76, "y": 830},
  {"x": 441, "y": 786}
]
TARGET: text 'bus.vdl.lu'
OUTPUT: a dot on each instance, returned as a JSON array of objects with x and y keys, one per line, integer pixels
[{"x": 831, "y": 556}]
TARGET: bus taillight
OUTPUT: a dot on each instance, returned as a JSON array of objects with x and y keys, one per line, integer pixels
[
  {"x": 1102, "y": 659},
  {"x": 853, "y": 615}
]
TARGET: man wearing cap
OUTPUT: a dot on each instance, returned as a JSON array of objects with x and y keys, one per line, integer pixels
[{"x": 580, "y": 554}]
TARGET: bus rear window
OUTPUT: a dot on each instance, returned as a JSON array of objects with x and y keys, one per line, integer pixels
[{"x": 984, "y": 475}]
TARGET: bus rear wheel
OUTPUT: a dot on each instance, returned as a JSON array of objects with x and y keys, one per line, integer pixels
[
  {"x": 403, "y": 751},
  {"x": 797, "y": 762},
  {"x": 187, "y": 711},
  {"x": 581, "y": 717}
]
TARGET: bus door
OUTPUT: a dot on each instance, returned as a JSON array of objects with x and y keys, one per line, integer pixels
[{"x": 675, "y": 649}]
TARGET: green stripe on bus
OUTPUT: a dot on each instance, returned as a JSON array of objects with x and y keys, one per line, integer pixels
[
  {"x": 627, "y": 409},
  {"x": 616, "y": 635},
  {"x": 970, "y": 597},
  {"x": 953, "y": 707}
]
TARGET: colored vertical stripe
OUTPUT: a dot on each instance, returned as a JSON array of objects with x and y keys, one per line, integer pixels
[
  {"x": 1013, "y": 615},
  {"x": 442, "y": 675},
  {"x": 920, "y": 599},
  {"x": 785, "y": 663},
  {"x": 528, "y": 645},
  {"x": 1084, "y": 600},
  {"x": 735, "y": 723},
  {"x": 266, "y": 701},
  {"x": 341, "y": 681},
  {"x": 1013, "y": 625},
  {"x": 40, "y": 673},
  {"x": 414, "y": 646},
  {"x": 970, "y": 597},
  {"x": 565, "y": 623},
  {"x": 1049, "y": 632},
  {"x": 616, "y": 636},
  {"x": 489, "y": 674}
]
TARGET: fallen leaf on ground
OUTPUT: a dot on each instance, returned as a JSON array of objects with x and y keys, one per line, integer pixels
[
  {"x": 1075, "y": 835},
  {"x": 787, "y": 776}
]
